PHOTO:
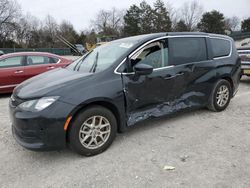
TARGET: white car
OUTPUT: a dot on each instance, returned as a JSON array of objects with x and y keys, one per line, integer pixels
[{"x": 245, "y": 61}]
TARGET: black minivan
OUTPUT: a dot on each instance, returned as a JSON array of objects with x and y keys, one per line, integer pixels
[{"x": 120, "y": 84}]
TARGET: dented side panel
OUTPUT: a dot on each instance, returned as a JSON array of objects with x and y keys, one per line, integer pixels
[{"x": 168, "y": 90}]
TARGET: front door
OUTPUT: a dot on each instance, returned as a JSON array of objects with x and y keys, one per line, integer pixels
[{"x": 151, "y": 95}]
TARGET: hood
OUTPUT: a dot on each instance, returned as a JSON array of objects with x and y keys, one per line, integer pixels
[{"x": 45, "y": 83}]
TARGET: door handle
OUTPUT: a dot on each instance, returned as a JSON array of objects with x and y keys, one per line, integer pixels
[
  {"x": 179, "y": 73},
  {"x": 18, "y": 72},
  {"x": 169, "y": 76},
  {"x": 50, "y": 67}
]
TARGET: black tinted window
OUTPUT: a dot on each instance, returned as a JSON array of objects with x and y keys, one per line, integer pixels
[
  {"x": 220, "y": 47},
  {"x": 187, "y": 50}
]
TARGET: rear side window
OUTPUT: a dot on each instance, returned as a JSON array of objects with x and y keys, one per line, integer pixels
[
  {"x": 11, "y": 62},
  {"x": 187, "y": 50},
  {"x": 36, "y": 60},
  {"x": 53, "y": 60},
  {"x": 220, "y": 47}
]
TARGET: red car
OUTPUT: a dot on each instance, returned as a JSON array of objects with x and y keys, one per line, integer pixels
[{"x": 17, "y": 67}]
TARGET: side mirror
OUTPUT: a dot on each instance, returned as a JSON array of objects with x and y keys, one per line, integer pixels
[{"x": 143, "y": 69}]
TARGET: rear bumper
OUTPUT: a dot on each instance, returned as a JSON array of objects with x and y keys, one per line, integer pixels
[
  {"x": 40, "y": 131},
  {"x": 245, "y": 68}
]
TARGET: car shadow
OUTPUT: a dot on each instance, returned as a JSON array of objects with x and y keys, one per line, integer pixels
[
  {"x": 5, "y": 95},
  {"x": 245, "y": 79},
  {"x": 144, "y": 126},
  {"x": 153, "y": 123}
]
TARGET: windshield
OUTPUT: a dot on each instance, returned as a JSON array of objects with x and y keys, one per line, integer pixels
[{"x": 101, "y": 57}]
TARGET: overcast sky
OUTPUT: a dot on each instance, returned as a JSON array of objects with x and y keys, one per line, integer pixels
[{"x": 80, "y": 12}]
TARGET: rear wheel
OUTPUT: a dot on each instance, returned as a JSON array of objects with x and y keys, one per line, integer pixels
[
  {"x": 92, "y": 131},
  {"x": 221, "y": 96}
]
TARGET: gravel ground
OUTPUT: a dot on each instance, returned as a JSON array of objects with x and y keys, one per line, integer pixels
[{"x": 207, "y": 150}]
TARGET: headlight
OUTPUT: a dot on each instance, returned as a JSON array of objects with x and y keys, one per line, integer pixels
[{"x": 38, "y": 105}]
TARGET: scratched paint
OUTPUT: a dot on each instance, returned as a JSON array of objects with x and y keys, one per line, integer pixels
[{"x": 166, "y": 108}]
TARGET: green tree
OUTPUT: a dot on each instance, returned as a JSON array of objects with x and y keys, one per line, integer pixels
[
  {"x": 212, "y": 22},
  {"x": 81, "y": 39},
  {"x": 162, "y": 20},
  {"x": 181, "y": 26},
  {"x": 245, "y": 25},
  {"x": 91, "y": 37},
  {"x": 132, "y": 21},
  {"x": 147, "y": 13}
]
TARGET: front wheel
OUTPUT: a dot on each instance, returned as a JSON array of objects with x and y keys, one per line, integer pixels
[
  {"x": 92, "y": 131},
  {"x": 221, "y": 96}
]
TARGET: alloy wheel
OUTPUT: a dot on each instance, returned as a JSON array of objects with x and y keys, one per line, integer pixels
[
  {"x": 222, "y": 96},
  {"x": 94, "y": 132}
]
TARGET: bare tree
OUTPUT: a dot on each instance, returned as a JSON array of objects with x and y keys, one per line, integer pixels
[
  {"x": 173, "y": 14},
  {"x": 67, "y": 31},
  {"x": 233, "y": 23},
  {"x": 50, "y": 30},
  {"x": 27, "y": 27},
  {"x": 102, "y": 20},
  {"x": 109, "y": 22},
  {"x": 191, "y": 14},
  {"x": 22, "y": 30},
  {"x": 9, "y": 12},
  {"x": 117, "y": 20}
]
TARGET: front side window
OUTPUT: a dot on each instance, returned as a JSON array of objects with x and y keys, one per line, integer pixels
[
  {"x": 220, "y": 47},
  {"x": 11, "y": 62},
  {"x": 154, "y": 54},
  {"x": 187, "y": 50}
]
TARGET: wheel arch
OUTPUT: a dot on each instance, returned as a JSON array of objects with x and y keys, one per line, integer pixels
[
  {"x": 230, "y": 80},
  {"x": 98, "y": 102}
]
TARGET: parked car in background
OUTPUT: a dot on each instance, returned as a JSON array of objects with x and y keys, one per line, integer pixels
[
  {"x": 245, "y": 61},
  {"x": 1, "y": 52},
  {"x": 120, "y": 84},
  {"x": 80, "y": 48},
  {"x": 17, "y": 67},
  {"x": 100, "y": 43}
]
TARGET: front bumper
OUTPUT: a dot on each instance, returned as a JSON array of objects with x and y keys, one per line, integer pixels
[{"x": 40, "y": 131}]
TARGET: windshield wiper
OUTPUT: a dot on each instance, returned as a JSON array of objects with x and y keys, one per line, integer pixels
[
  {"x": 93, "y": 68},
  {"x": 79, "y": 64}
]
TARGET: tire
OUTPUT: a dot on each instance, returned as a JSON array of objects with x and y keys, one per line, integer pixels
[
  {"x": 87, "y": 139},
  {"x": 214, "y": 104}
]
